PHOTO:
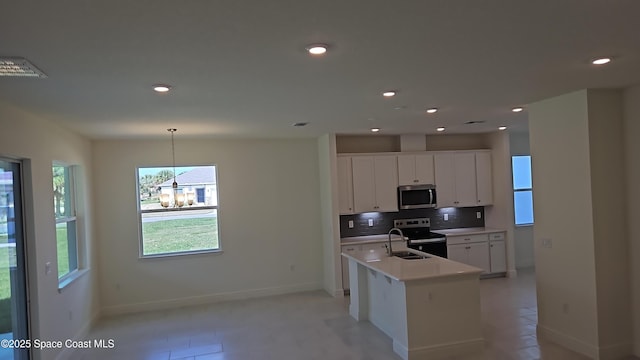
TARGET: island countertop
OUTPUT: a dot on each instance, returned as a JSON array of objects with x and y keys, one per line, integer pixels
[{"x": 407, "y": 270}]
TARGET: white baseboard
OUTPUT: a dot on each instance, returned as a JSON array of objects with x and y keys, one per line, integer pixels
[
  {"x": 610, "y": 352},
  {"x": 616, "y": 351},
  {"x": 443, "y": 351},
  {"x": 83, "y": 334},
  {"x": 206, "y": 299},
  {"x": 567, "y": 341}
]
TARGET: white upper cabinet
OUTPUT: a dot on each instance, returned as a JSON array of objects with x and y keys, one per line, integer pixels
[
  {"x": 415, "y": 169},
  {"x": 483, "y": 178},
  {"x": 375, "y": 183},
  {"x": 345, "y": 185},
  {"x": 463, "y": 178}
]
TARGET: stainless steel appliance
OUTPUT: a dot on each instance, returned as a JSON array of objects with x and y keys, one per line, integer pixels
[
  {"x": 420, "y": 237},
  {"x": 417, "y": 196}
]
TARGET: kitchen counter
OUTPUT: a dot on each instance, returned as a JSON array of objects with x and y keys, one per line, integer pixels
[
  {"x": 370, "y": 239},
  {"x": 408, "y": 270},
  {"x": 468, "y": 231},
  {"x": 430, "y": 308}
]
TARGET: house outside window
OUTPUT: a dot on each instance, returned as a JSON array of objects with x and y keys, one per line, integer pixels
[
  {"x": 182, "y": 220},
  {"x": 64, "y": 201},
  {"x": 522, "y": 190}
]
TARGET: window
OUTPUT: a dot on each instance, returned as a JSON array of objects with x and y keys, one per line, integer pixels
[
  {"x": 182, "y": 220},
  {"x": 522, "y": 192},
  {"x": 66, "y": 222}
]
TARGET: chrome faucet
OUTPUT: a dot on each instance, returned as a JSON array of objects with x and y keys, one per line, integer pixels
[{"x": 401, "y": 236}]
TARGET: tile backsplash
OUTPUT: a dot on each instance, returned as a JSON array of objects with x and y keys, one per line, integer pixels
[{"x": 383, "y": 222}]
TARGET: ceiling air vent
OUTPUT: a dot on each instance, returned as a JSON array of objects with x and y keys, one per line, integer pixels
[
  {"x": 21, "y": 67},
  {"x": 474, "y": 122}
]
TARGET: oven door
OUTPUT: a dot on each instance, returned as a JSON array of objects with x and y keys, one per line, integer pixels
[{"x": 436, "y": 247}]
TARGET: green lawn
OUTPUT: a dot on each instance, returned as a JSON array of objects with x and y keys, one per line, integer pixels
[
  {"x": 62, "y": 248},
  {"x": 168, "y": 236}
]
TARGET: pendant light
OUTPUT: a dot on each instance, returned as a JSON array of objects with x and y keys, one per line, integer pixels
[{"x": 178, "y": 198}]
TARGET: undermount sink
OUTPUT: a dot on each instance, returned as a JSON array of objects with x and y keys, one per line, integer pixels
[{"x": 407, "y": 255}]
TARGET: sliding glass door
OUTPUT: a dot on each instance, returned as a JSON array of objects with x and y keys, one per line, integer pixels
[{"x": 13, "y": 281}]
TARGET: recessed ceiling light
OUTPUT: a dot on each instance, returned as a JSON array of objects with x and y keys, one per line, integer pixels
[
  {"x": 161, "y": 88},
  {"x": 502, "y": 128},
  {"x": 432, "y": 110},
  {"x": 317, "y": 49},
  {"x": 300, "y": 124},
  {"x": 517, "y": 109},
  {"x": 440, "y": 129},
  {"x": 601, "y": 61},
  {"x": 375, "y": 129},
  {"x": 389, "y": 93}
]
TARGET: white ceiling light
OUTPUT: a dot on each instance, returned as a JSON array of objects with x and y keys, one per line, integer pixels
[
  {"x": 432, "y": 110},
  {"x": 389, "y": 93},
  {"x": 375, "y": 129},
  {"x": 502, "y": 128},
  {"x": 317, "y": 49},
  {"x": 517, "y": 109},
  {"x": 440, "y": 129},
  {"x": 161, "y": 88},
  {"x": 19, "y": 67},
  {"x": 601, "y": 61}
]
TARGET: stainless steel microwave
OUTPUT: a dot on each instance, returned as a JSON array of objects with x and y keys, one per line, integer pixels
[{"x": 417, "y": 196}]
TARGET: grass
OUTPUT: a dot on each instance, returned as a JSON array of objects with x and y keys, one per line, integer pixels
[
  {"x": 62, "y": 248},
  {"x": 5, "y": 287},
  {"x": 176, "y": 235}
]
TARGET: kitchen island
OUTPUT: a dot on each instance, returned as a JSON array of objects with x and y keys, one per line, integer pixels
[{"x": 429, "y": 307}]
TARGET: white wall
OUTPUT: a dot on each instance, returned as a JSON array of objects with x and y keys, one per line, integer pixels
[
  {"x": 610, "y": 225},
  {"x": 565, "y": 272},
  {"x": 523, "y": 235},
  {"x": 579, "y": 177},
  {"x": 631, "y": 115},
  {"x": 270, "y": 233},
  {"x": 330, "y": 218},
  {"x": 40, "y": 142}
]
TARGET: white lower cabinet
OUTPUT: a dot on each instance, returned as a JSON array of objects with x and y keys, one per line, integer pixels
[
  {"x": 485, "y": 251},
  {"x": 498, "y": 252},
  {"x": 474, "y": 254}
]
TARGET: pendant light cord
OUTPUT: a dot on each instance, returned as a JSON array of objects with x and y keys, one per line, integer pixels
[{"x": 173, "y": 153}]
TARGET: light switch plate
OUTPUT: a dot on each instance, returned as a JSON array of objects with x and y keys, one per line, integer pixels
[
  {"x": 370, "y": 222},
  {"x": 547, "y": 243},
  {"x": 478, "y": 215}
]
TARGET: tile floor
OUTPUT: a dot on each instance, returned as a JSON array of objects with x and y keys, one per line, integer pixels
[{"x": 310, "y": 325}]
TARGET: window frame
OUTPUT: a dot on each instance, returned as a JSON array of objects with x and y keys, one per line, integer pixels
[
  {"x": 70, "y": 181},
  {"x": 517, "y": 190},
  {"x": 141, "y": 211}
]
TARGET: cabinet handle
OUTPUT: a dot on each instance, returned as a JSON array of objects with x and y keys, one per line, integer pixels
[
  {"x": 467, "y": 247},
  {"x": 467, "y": 239}
]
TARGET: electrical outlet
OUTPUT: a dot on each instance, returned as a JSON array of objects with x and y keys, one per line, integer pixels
[
  {"x": 446, "y": 217},
  {"x": 547, "y": 243},
  {"x": 478, "y": 215},
  {"x": 350, "y": 224},
  {"x": 565, "y": 308},
  {"x": 370, "y": 222}
]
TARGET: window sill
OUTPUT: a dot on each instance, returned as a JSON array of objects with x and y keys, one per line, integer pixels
[
  {"x": 179, "y": 254},
  {"x": 523, "y": 225},
  {"x": 71, "y": 278}
]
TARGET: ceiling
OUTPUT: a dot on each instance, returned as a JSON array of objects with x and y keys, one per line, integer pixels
[{"x": 239, "y": 68}]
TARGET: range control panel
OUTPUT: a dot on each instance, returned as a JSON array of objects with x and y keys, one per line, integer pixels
[{"x": 411, "y": 223}]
